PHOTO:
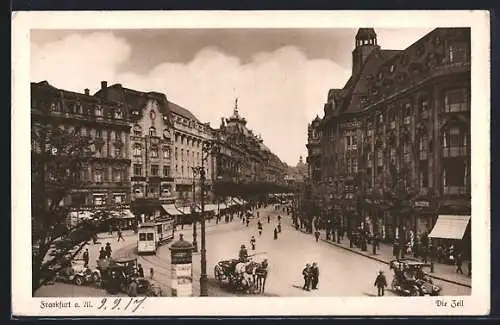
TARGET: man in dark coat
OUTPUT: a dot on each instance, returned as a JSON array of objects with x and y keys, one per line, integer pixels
[
  {"x": 275, "y": 233},
  {"x": 268, "y": 219},
  {"x": 380, "y": 283},
  {"x": 86, "y": 257},
  {"x": 314, "y": 276},
  {"x": 108, "y": 250},
  {"x": 306, "y": 273},
  {"x": 316, "y": 234}
]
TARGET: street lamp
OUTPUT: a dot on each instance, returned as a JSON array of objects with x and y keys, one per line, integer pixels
[
  {"x": 193, "y": 209},
  {"x": 208, "y": 149}
]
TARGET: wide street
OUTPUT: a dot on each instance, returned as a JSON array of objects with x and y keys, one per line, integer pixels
[{"x": 342, "y": 273}]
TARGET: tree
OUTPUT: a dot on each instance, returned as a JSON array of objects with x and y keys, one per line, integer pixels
[{"x": 57, "y": 158}]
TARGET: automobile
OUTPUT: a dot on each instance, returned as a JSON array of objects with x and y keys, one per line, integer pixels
[
  {"x": 74, "y": 271},
  {"x": 143, "y": 287},
  {"x": 410, "y": 278},
  {"x": 116, "y": 274}
]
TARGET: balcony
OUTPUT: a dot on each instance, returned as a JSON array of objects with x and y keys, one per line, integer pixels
[{"x": 450, "y": 152}]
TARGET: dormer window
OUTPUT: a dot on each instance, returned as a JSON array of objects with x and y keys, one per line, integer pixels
[
  {"x": 98, "y": 111},
  {"x": 118, "y": 114},
  {"x": 152, "y": 132}
]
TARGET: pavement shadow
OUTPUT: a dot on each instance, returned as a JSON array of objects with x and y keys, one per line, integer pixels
[{"x": 369, "y": 294}]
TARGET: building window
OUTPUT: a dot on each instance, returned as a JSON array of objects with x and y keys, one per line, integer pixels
[
  {"x": 166, "y": 153},
  {"x": 117, "y": 152},
  {"x": 137, "y": 170},
  {"x": 354, "y": 166},
  {"x": 137, "y": 150},
  {"x": 392, "y": 68},
  {"x": 455, "y": 100},
  {"x": 392, "y": 119},
  {"x": 154, "y": 152},
  {"x": 407, "y": 114},
  {"x": 182, "y": 154},
  {"x": 137, "y": 130},
  {"x": 457, "y": 52},
  {"x": 117, "y": 175},
  {"x": 423, "y": 147},
  {"x": 98, "y": 200},
  {"x": 176, "y": 153},
  {"x": 454, "y": 141},
  {"x": 84, "y": 132},
  {"x": 117, "y": 136},
  {"x": 166, "y": 171},
  {"x": 187, "y": 155},
  {"x": 381, "y": 118},
  {"x": 424, "y": 109},
  {"x": 392, "y": 155},
  {"x": 176, "y": 168},
  {"x": 406, "y": 152},
  {"x": 455, "y": 176},
  {"x": 152, "y": 132},
  {"x": 423, "y": 175},
  {"x": 380, "y": 158},
  {"x": 118, "y": 114},
  {"x": 98, "y": 133},
  {"x": 118, "y": 199},
  {"x": 54, "y": 107},
  {"x": 98, "y": 111},
  {"x": 154, "y": 170},
  {"x": 98, "y": 176},
  {"x": 182, "y": 170}
]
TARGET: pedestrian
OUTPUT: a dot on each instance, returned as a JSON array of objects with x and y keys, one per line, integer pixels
[
  {"x": 459, "y": 262},
  {"x": 108, "y": 250},
  {"x": 314, "y": 276},
  {"x": 380, "y": 283},
  {"x": 268, "y": 219},
  {"x": 110, "y": 230},
  {"x": 259, "y": 227},
  {"x": 102, "y": 254},
  {"x": 140, "y": 270},
  {"x": 316, "y": 234},
  {"x": 86, "y": 257},
  {"x": 248, "y": 221},
  {"x": 275, "y": 233},
  {"x": 252, "y": 242},
  {"x": 306, "y": 273},
  {"x": 120, "y": 235},
  {"x": 279, "y": 226},
  {"x": 279, "y": 218}
]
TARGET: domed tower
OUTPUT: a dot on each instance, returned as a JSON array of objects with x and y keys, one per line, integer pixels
[{"x": 366, "y": 42}]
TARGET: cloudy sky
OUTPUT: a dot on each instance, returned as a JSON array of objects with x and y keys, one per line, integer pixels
[{"x": 281, "y": 77}]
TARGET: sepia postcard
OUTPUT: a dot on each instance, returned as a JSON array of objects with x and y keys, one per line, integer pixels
[{"x": 251, "y": 163}]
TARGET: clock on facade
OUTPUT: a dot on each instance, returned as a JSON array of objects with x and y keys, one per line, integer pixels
[{"x": 152, "y": 115}]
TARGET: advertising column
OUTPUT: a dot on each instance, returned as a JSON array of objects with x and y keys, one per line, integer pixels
[{"x": 182, "y": 272}]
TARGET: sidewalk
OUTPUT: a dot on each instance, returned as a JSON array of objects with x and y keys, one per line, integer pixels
[{"x": 384, "y": 255}]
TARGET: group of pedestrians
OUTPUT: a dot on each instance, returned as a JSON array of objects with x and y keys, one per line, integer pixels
[
  {"x": 105, "y": 251},
  {"x": 311, "y": 276}
]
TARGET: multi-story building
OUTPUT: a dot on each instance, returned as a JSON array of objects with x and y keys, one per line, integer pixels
[
  {"x": 395, "y": 141},
  {"x": 106, "y": 173},
  {"x": 244, "y": 158},
  {"x": 149, "y": 145},
  {"x": 189, "y": 136}
]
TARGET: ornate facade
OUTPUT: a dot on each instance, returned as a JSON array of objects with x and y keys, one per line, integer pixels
[
  {"x": 244, "y": 159},
  {"x": 395, "y": 141},
  {"x": 106, "y": 174},
  {"x": 189, "y": 136},
  {"x": 149, "y": 145}
]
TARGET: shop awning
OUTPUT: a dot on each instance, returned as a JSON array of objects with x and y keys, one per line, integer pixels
[
  {"x": 127, "y": 214},
  {"x": 171, "y": 209},
  {"x": 450, "y": 227},
  {"x": 211, "y": 207},
  {"x": 237, "y": 201}
]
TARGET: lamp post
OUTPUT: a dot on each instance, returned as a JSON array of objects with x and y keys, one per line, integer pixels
[
  {"x": 193, "y": 210},
  {"x": 208, "y": 149}
]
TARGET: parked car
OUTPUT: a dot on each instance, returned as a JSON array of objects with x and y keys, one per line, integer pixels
[{"x": 411, "y": 280}]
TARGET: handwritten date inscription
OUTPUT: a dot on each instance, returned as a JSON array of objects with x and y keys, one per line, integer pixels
[{"x": 131, "y": 304}]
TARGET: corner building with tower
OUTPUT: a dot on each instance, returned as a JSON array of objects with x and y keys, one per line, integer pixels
[{"x": 392, "y": 153}]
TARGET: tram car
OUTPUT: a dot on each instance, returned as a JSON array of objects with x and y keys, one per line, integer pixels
[{"x": 153, "y": 234}]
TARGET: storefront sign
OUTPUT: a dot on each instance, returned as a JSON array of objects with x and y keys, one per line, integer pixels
[
  {"x": 421, "y": 204},
  {"x": 182, "y": 280}
]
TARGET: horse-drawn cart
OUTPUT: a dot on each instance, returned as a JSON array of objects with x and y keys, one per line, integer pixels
[{"x": 244, "y": 276}]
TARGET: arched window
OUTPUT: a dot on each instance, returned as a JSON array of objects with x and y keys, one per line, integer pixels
[
  {"x": 454, "y": 141},
  {"x": 137, "y": 130},
  {"x": 118, "y": 114},
  {"x": 137, "y": 150},
  {"x": 152, "y": 132},
  {"x": 154, "y": 152},
  {"x": 98, "y": 111},
  {"x": 423, "y": 146}
]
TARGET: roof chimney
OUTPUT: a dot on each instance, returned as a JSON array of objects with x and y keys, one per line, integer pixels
[
  {"x": 104, "y": 89},
  {"x": 104, "y": 84},
  {"x": 87, "y": 91}
]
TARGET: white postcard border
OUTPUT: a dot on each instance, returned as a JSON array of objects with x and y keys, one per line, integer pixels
[{"x": 23, "y": 304}]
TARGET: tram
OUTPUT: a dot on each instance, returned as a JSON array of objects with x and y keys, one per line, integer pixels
[{"x": 153, "y": 234}]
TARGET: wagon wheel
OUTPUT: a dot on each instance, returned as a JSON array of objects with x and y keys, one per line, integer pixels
[{"x": 218, "y": 273}]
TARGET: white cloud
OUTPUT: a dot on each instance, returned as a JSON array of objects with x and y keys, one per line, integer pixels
[{"x": 280, "y": 92}]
